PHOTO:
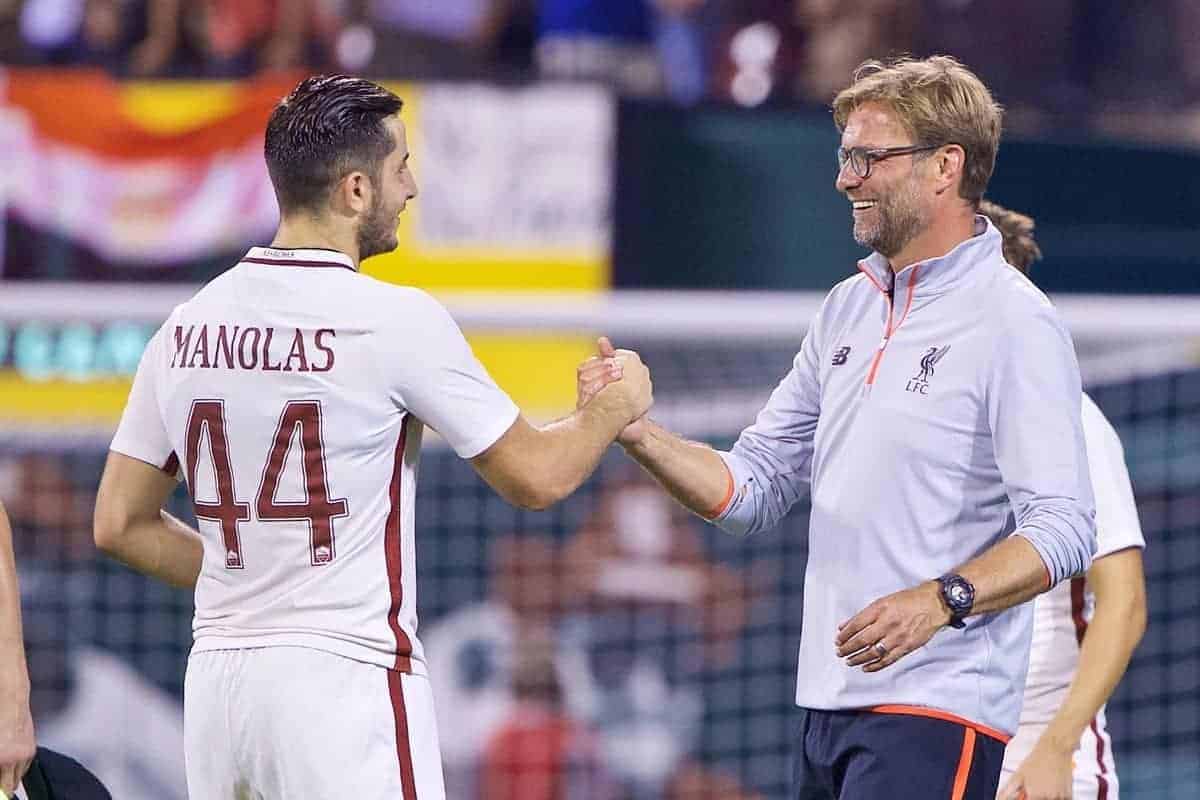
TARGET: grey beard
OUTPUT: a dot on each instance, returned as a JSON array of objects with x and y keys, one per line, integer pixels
[{"x": 900, "y": 223}]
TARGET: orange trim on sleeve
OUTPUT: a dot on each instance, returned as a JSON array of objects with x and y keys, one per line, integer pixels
[
  {"x": 719, "y": 509},
  {"x": 935, "y": 713},
  {"x": 964, "y": 765}
]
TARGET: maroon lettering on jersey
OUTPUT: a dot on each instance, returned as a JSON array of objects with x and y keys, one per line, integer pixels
[
  {"x": 182, "y": 342},
  {"x": 201, "y": 350},
  {"x": 327, "y": 350},
  {"x": 225, "y": 342},
  {"x": 266, "y": 354},
  {"x": 252, "y": 361},
  {"x": 318, "y": 508},
  {"x": 207, "y": 420},
  {"x": 297, "y": 353}
]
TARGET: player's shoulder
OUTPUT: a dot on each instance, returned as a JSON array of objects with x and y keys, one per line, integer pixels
[
  {"x": 216, "y": 293},
  {"x": 1015, "y": 296},
  {"x": 391, "y": 303},
  {"x": 1017, "y": 309}
]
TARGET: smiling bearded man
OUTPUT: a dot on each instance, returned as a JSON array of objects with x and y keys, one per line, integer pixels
[{"x": 933, "y": 414}]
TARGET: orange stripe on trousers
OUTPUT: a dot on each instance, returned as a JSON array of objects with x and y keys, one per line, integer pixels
[{"x": 964, "y": 765}]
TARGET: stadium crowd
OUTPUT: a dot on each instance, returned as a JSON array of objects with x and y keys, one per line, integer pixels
[{"x": 1105, "y": 57}]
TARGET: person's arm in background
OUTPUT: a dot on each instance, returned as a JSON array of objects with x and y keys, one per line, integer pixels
[
  {"x": 1118, "y": 582},
  {"x": 17, "y": 743}
]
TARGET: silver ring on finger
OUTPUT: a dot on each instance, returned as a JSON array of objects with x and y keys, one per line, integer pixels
[{"x": 880, "y": 650}]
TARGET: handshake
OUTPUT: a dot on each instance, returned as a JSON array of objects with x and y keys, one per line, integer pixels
[{"x": 618, "y": 382}]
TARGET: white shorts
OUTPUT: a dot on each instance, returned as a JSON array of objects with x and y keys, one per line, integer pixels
[
  {"x": 278, "y": 723},
  {"x": 1095, "y": 773}
]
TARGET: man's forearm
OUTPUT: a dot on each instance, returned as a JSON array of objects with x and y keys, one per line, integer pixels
[
  {"x": 1007, "y": 574},
  {"x": 164, "y": 548},
  {"x": 691, "y": 472},
  {"x": 572, "y": 447},
  {"x": 1103, "y": 657},
  {"x": 1118, "y": 582}
]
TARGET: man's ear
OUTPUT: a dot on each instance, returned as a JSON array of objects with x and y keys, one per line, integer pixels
[
  {"x": 353, "y": 193},
  {"x": 948, "y": 164}
]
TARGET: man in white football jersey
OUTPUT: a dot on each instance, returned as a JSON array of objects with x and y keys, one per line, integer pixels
[
  {"x": 1085, "y": 629},
  {"x": 291, "y": 393}
]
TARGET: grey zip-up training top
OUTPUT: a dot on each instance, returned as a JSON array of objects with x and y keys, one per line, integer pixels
[{"x": 929, "y": 427}]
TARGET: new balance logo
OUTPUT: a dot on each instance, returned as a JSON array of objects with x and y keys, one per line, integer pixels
[
  {"x": 919, "y": 383},
  {"x": 840, "y": 355}
]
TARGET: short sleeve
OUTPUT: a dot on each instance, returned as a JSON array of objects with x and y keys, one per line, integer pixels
[
  {"x": 142, "y": 433},
  {"x": 1117, "y": 523},
  {"x": 439, "y": 379}
]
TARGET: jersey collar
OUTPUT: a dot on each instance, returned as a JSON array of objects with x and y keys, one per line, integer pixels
[{"x": 306, "y": 257}]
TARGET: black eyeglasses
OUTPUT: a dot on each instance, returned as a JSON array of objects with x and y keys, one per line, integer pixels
[{"x": 861, "y": 158}]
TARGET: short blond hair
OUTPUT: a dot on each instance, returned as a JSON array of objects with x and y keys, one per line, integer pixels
[
  {"x": 939, "y": 101},
  {"x": 1020, "y": 248}
]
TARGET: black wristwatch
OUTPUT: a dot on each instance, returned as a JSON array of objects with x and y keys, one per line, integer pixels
[{"x": 959, "y": 596}]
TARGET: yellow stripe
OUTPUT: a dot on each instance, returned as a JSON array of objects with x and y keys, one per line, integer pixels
[
  {"x": 171, "y": 107},
  {"x": 537, "y": 370},
  {"x": 501, "y": 273},
  {"x": 88, "y": 402}
]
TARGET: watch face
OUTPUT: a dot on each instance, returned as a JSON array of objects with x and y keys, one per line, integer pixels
[{"x": 959, "y": 595}]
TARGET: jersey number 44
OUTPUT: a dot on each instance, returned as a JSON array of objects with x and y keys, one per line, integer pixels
[{"x": 206, "y": 423}]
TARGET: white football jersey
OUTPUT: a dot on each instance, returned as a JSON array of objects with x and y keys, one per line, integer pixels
[
  {"x": 290, "y": 394},
  {"x": 1061, "y": 615}
]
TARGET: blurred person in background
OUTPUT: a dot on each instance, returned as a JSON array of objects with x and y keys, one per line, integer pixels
[
  {"x": 80, "y": 694},
  {"x": 1058, "y": 42},
  {"x": 79, "y": 32},
  {"x": 756, "y": 48},
  {"x": 785, "y": 49},
  {"x": 239, "y": 37},
  {"x": 450, "y": 39},
  {"x": 304, "y": 567},
  {"x": 173, "y": 38},
  {"x": 642, "y": 47},
  {"x": 838, "y": 35},
  {"x": 540, "y": 752},
  {"x": 1084, "y": 630},
  {"x": 943, "y": 450},
  {"x": 650, "y": 617},
  {"x": 17, "y": 741},
  {"x": 12, "y": 44},
  {"x": 477, "y": 650}
]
